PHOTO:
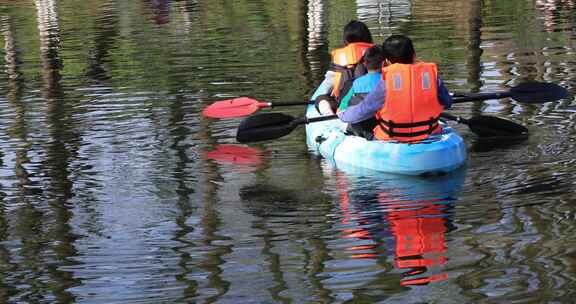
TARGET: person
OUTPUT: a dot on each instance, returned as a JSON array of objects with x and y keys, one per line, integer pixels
[
  {"x": 345, "y": 67},
  {"x": 407, "y": 102},
  {"x": 372, "y": 59},
  {"x": 361, "y": 86}
]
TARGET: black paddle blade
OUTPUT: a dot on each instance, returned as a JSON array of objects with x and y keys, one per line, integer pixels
[
  {"x": 264, "y": 126},
  {"x": 490, "y": 126},
  {"x": 538, "y": 92}
]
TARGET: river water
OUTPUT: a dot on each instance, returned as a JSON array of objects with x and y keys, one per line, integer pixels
[{"x": 115, "y": 189}]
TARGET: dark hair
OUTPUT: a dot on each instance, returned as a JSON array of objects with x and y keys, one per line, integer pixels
[
  {"x": 398, "y": 49},
  {"x": 373, "y": 58},
  {"x": 356, "y": 31}
]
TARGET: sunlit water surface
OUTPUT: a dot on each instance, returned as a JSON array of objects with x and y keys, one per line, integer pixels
[{"x": 115, "y": 189}]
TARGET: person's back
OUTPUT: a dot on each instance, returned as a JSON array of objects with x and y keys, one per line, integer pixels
[
  {"x": 411, "y": 108},
  {"x": 345, "y": 66}
]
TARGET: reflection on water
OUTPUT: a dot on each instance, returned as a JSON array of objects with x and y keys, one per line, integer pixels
[
  {"x": 236, "y": 154},
  {"x": 391, "y": 14},
  {"x": 556, "y": 14},
  {"x": 161, "y": 10},
  {"x": 114, "y": 188},
  {"x": 403, "y": 217}
]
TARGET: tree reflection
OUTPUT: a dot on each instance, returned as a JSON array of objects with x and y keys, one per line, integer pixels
[
  {"x": 60, "y": 153},
  {"x": 107, "y": 35},
  {"x": 552, "y": 10},
  {"x": 315, "y": 41},
  {"x": 17, "y": 130}
]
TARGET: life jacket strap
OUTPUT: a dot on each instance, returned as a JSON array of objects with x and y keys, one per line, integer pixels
[
  {"x": 340, "y": 68},
  {"x": 345, "y": 78},
  {"x": 389, "y": 127}
]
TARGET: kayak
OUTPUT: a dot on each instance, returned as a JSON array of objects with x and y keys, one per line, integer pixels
[{"x": 438, "y": 154}]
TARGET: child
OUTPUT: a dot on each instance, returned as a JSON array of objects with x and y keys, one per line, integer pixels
[
  {"x": 373, "y": 59},
  {"x": 408, "y": 101},
  {"x": 345, "y": 66}
]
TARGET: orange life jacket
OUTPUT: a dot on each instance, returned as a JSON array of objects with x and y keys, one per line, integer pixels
[
  {"x": 411, "y": 106},
  {"x": 344, "y": 63}
]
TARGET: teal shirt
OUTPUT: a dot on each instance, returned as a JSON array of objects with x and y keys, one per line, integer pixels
[{"x": 362, "y": 85}]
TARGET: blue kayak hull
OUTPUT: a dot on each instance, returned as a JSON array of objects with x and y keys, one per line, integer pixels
[{"x": 441, "y": 153}]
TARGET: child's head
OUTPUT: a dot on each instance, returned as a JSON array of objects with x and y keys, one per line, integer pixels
[
  {"x": 356, "y": 31},
  {"x": 373, "y": 58},
  {"x": 399, "y": 49}
]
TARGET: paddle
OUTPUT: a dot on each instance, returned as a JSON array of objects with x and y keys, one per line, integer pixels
[
  {"x": 489, "y": 126},
  {"x": 269, "y": 126},
  {"x": 528, "y": 92}
]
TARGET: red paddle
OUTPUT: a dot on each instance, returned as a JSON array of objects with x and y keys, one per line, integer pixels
[{"x": 241, "y": 106}]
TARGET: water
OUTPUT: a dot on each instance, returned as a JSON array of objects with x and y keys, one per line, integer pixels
[{"x": 114, "y": 188}]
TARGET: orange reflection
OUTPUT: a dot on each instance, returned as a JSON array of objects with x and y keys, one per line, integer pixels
[
  {"x": 246, "y": 159},
  {"x": 413, "y": 220}
]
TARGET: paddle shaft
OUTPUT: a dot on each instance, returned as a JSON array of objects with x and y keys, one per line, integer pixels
[
  {"x": 283, "y": 104},
  {"x": 306, "y": 120},
  {"x": 454, "y": 118},
  {"x": 467, "y": 98},
  {"x": 481, "y": 96}
]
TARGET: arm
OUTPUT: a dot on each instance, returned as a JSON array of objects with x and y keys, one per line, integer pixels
[
  {"x": 367, "y": 107},
  {"x": 443, "y": 95},
  {"x": 326, "y": 86}
]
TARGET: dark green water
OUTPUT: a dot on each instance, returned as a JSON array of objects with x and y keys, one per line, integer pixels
[{"x": 113, "y": 187}]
